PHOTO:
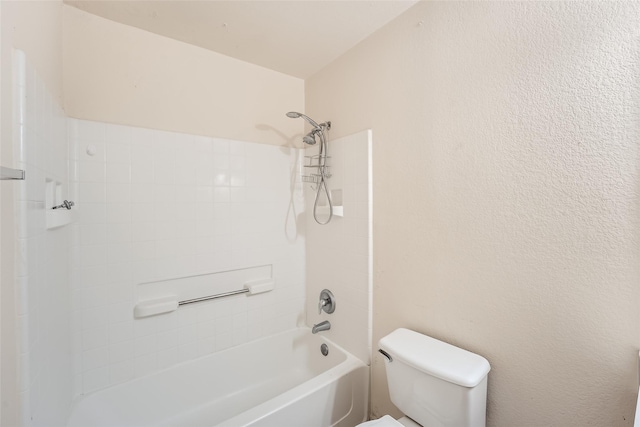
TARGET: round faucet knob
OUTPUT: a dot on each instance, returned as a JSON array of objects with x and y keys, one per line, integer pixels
[{"x": 327, "y": 302}]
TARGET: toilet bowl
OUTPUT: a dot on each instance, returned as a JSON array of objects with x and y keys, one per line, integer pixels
[{"x": 433, "y": 383}]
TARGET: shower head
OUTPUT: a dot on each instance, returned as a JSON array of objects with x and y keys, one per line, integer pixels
[
  {"x": 295, "y": 115},
  {"x": 310, "y": 138}
]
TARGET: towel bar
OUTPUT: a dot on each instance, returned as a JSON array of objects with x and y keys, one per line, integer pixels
[
  {"x": 215, "y": 296},
  {"x": 170, "y": 303}
]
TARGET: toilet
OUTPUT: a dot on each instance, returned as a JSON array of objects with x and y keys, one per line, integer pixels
[{"x": 433, "y": 383}]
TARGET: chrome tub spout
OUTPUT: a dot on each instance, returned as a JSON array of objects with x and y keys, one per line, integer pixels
[{"x": 322, "y": 326}]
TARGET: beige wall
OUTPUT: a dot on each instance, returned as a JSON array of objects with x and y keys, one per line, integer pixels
[
  {"x": 34, "y": 27},
  {"x": 119, "y": 74},
  {"x": 506, "y": 195}
]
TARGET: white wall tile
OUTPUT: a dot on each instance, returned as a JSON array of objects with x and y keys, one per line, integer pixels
[
  {"x": 121, "y": 351},
  {"x": 142, "y": 193},
  {"x": 43, "y": 295},
  {"x": 119, "y": 274},
  {"x": 146, "y": 345},
  {"x": 92, "y": 213},
  {"x": 95, "y": 379},
  {"x": 118, "y": 253},
  {"x": 93, "y": 255},
  {"x": 118, "y": 173},
  {"x": 118, "y": 152},
  {"x": 121, "y": 372},
  {"x": 162, "y": 205},
  {"x": 120, "y": 312},
  {"x": 118, "y": 232},
  {"x": 92, "y": 171},
  {"x": 96, "y": 358},
  {"x": 119, "y": 289},
  {"x": 220, "y": 146},
  {"x": 145, "y": 365},
  {"x": 92, "y": 192},
  {"x": 167, "y": 357},
  {"x": 93, "y": 276},
  {"x": 94, "y": 338},
  {"x": 122, "y": 331},
  {"x": 167, "y": 339},
  {"x": 117, "y": 192}
]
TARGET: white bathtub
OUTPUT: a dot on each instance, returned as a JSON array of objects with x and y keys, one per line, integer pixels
[{"x": 282, "y": 380}]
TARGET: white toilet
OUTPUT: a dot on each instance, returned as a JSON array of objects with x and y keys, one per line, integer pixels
[{"x": 432, "y": 382}]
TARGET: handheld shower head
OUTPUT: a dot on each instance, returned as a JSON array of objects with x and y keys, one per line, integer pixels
[{"x": 295, "y": 115}]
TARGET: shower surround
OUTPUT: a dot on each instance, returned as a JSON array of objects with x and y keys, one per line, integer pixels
[
  {"x": 340, "y": 253},
  {"x": 156, "y": 205},
  {"x": 149, "y": 205},
  {"x": 153, "y": 205}
]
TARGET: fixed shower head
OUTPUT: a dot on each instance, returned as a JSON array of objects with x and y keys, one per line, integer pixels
[
  {"x": 295, "y": 115},
  {"x": 310, "y": 138}
]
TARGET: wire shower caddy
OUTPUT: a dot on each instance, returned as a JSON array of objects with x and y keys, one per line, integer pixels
[{"x": 320, "y": 164}]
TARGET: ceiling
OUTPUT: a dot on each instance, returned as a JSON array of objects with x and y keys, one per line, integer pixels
[{"x": 298, "y": 37}]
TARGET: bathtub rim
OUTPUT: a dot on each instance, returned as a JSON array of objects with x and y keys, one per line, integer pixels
[
  {"x": 264, "y": 409},
  {"x": 349, "y": 364}
]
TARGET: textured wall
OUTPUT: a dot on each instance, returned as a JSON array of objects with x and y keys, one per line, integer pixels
[
  {"x": 506, "y": 195},
  {"x": 119, "y": 74}
]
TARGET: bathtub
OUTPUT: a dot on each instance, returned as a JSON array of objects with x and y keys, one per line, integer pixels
[{"x": 282, "y": 380}]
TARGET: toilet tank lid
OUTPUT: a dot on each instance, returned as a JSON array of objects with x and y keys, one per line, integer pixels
[{"x": 436, "y": 358}]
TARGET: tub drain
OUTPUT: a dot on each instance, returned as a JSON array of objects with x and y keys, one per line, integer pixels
[{"x": 324, "y": 349}]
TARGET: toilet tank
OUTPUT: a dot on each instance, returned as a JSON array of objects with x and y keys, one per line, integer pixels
[{"x": 435, "y": 383}]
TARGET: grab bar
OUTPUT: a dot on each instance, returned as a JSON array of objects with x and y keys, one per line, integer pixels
[{"x": 8, "y": 173}]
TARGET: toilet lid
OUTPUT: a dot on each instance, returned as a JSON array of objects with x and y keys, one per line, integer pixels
[{"x": 386, "y": 421}]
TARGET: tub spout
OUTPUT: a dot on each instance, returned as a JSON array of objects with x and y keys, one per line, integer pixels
[{"x": 322, "y": 326}]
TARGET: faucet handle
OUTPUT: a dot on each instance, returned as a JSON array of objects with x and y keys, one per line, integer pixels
[
  {"x": 67, "y": 204},
  {"x": 321, "y": 305},
  {"x": 327, "y": 302}
]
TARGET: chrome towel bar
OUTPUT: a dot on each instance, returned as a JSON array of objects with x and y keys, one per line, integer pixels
[
  {"x": 216, "y": 296},
  {"x": 170, "y": 303}
]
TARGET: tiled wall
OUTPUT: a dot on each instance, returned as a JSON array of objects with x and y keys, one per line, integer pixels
[
  {"x": 155, "y": 205},
  {"x": 42, "y": 256},
  {"x": 339, "y": 254}
]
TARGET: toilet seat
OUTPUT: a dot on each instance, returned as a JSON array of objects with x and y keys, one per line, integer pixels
[
  {"x": 408, "y": 422},
  {"x": 388, "y": 421}
]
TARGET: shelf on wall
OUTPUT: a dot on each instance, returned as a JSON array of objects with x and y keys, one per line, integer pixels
[{"x": 59, "y": 217}]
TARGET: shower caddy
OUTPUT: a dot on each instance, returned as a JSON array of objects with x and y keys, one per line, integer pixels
[{"x": 320, "y": 165}]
